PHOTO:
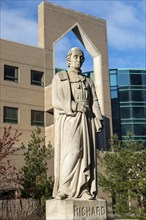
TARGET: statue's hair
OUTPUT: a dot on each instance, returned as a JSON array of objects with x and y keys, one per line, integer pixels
[{"x": 70, "y": 53}]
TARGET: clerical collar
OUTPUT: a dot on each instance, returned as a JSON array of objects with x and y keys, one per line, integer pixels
[
  {"x": 75, "y": 71},
  {"x": 79, "y": 73}
]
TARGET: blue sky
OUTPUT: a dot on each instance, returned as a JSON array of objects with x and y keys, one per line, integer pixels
[{"x": 126, "y": 28}]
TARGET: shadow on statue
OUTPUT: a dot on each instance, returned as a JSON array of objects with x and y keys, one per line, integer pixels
[{"x": 77, "y": 120}]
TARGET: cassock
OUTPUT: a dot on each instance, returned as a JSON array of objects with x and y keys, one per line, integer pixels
[{"x": 75, "y": 165}]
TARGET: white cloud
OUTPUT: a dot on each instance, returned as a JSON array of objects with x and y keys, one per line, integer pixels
[
  {"x": 127, "y": 61},
  {"x": 125, "y": 22},
  {"x": 125, "y": 29},
  {"x": 16, "y": 27},
  {"x": 125, "y": 38},
  {"x": 125, "y": 26}
]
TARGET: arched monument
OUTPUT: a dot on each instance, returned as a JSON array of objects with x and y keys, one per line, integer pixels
[
  {"x": 54, "y": 22},
  {"x": 80, "y": 201}
]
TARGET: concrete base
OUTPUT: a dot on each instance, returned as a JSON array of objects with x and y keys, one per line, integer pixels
[{"x": 76, "y": 209}]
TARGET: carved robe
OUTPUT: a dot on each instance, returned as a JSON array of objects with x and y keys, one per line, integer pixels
[{"x": 75, "y": 150}]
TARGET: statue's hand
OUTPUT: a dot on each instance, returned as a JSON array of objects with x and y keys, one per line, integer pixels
[{"x": 82, "y": 107}]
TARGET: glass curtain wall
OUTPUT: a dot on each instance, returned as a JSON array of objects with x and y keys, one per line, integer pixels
[{"x": 128, "y": 93}]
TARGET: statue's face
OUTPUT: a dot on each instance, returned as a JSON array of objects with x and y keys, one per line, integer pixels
[{"x": 76, "y": 59}]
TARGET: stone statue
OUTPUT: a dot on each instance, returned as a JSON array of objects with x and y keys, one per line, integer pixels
[{"x": 77, "y": 118}]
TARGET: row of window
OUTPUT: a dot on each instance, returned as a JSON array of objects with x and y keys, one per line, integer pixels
[
  {"x": 136, "y": 129},
  {"x": 127, "y": 71},
  {"x": 133, "y": 112},
  {"x": 128, "y": 79},
  {"x": 11, "y": 73},
  {"x": 127, "y": 95},
  {"x": 11, "y": 116},
  {"x": 132, "y": 95}
]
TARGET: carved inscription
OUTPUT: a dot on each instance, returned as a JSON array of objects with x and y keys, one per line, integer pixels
[{"x": 89, "y": 211}]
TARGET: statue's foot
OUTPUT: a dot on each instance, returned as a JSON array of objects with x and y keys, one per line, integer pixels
[
  {"x": 86, "y": 195},
  {"x": 61, "y": 196}
]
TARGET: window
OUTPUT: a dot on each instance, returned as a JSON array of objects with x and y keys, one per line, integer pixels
[
  {"x": 125, "y": 112},
  {"x": 123, "y": 79},
  {"x": 116, "y": 117},
  {"x": 143, "y": 72},
  {"x": 113, "y": 71},
  {"x": 144, "y": 79},
  {"x": 144, "y": 95},
  {"x": 37, "y": 78},
  {"x": 139, "y": 112},
  {"x": 126, "y": 128},
  {"x": 113, "y": 80},
  {"x": 37, "y": 118},
  {"x": 135, "y": 71},
  {"x": 11, "y": 73},
  {"x": 139, "y": 129},
  {"x": 10, "y": 115},
  {"x": 114, "y": 94},
  {"x": 137, "y": 95},
  {"x": 136, "y": 79},
  {"x": 123, "y": 71},
  {"x": 124, "y": 96}
]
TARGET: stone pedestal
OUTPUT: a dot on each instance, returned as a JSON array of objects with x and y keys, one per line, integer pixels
[{"x": 76, "y": 209}]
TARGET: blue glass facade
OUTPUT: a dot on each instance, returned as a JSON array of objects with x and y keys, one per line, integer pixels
[{"x": 128, "y": 98}]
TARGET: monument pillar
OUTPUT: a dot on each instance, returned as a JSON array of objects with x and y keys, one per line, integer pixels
[{"x": 76, "y": 209}]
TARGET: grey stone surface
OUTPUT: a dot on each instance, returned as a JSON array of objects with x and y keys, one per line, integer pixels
[
  {"x": 76, "y": 209},
  {"x": 77, "y": 119}
]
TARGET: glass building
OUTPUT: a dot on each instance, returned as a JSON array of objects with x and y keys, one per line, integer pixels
[{"x": 128, "y": 98}]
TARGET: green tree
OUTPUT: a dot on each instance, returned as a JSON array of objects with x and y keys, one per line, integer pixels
[
  {"x": 125, "y": 175},
  {"x": 36, "y": 183}
]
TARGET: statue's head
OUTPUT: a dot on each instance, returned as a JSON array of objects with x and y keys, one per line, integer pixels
[{"x": 75, "y": 58}]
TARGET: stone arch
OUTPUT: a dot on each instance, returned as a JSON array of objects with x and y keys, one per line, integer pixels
[
  {"x": 93, "y": 51},
  {"x": 54, "y": 22}
]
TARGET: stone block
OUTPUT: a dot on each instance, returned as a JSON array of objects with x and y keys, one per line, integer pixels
[{"x": 76, "y": 209}]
